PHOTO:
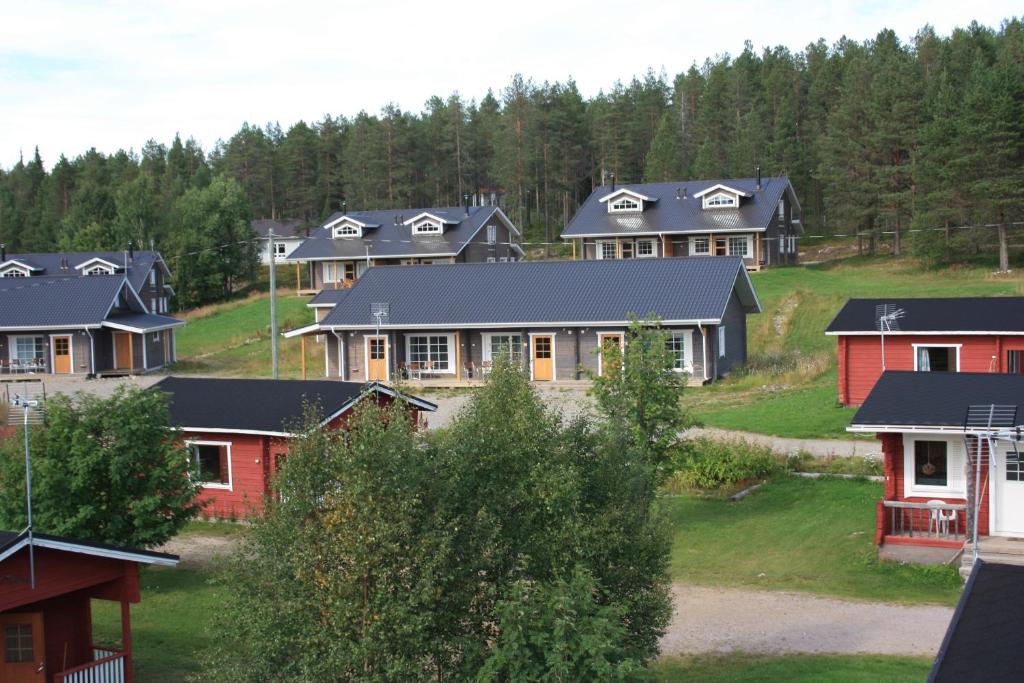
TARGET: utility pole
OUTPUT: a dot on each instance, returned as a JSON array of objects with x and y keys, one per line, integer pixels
[{"x": 273, "y": 305}]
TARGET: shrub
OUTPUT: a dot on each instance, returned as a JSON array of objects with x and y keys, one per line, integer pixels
[
  {"x": 858, "y": 465},
  {"x": 705, "y": 463}
]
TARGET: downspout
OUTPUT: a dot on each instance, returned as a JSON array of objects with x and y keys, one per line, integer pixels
[
  {"x": 704, "y": 349},
  {"x": 92, "y": 352},
  {"x": 341, "y": 356}
]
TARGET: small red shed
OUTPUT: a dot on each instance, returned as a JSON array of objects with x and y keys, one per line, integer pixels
[
  {"x": 971, "y": 334},
  {"x": 47, "y": 627},
  {"x": 237, "y": 430}
]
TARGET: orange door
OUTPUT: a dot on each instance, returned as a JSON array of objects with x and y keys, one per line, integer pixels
[
  {"x": 612, "y": 342},
  {"x": 122, "y": 351},
  {"x": 377, "y": 358},
  {"x": 62, "y": 355},
  {"x": 24, "y": 658},
  {"x": 543, "y": 359}
]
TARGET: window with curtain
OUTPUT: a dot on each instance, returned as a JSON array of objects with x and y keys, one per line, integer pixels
[
  {"x": 930, "y": 463},
  {"x": 936, "y": 359},
  {"x": 209, "y": 464}
]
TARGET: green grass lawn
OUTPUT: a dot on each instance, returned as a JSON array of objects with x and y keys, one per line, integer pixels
[
  {"x": 743, "y": 668},
  {"x": 798, "y": 534}
]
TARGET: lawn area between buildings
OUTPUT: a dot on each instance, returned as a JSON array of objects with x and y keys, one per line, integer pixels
[
  {"x": 809, "y": 535},
  {"x": 744, "y": 668}
]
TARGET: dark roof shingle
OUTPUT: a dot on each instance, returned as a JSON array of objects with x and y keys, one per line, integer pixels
[
  {"x": 41, "y": 301},
  {"x": 949, "y": 314},
  {"x": 50, "y": 263},
  {"x": 546, "y": 292}
]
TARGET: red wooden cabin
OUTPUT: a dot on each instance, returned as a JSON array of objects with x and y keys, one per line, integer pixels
[
  {"x": 932, "y": 457},
  {"x": 934, "y": 335},
  {"x": 47, "y": 629},
  {"x": 238, "y": 430}
]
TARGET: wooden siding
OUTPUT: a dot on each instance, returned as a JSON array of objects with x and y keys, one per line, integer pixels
[{"x": 860, "y": 358}]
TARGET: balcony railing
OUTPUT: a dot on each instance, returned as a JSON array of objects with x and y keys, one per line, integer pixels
[
  {"x": 933, "y": 520},
  {"x": 107, "y": 667}
]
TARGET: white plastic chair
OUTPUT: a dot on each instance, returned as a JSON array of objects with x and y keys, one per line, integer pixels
[{"x": 940, "y": 518}]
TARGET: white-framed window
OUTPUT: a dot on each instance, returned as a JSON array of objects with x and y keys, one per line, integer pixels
[
  {"x": 739, "y": 245},
  {"x": 937, "y": 357},
  {"x": 335, "y": 271},
  {"x": 679, "y": 344},
  {"x": 156, "y": 337},
  {"x": 511, "y": 259},
  {"x": 346, "y": 230},
  {"x": 163, "y": 304},
  {"x": 503, "y": 259},
  {"x": 14, "y": 271},
  {"x": 490, "y": 259},
  {"x": 719, "y": 199},
  {"x": 280, "y": 249},
  {"x": 645, "y": 249},
  {"x": 152, "y": 277},
  {"x": 624, "y": 204},
  {"x": 27, "y": 348},
  {"x": 933, "y": 465},
  {"x": 782, "y": 209},
  {"x": 721, "y": 341},
  {"x": 511, "y": 345},
  {"x": 607, "y": 250},
  {"x": 99, "y": 270},
  {"x": 210, "y": 463},
  {"x": 433, "y": 348},
  {"x": 492, "y": 234},
  {"x": 700, "y": 245},
  {"x": 426, "y": 228}
]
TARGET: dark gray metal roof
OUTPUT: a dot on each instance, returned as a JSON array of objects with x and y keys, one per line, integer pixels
[
  {"x": 986, "y": 634},
  {"x": 967, "y": 314},
  {"x": 259, "y": 405},
  {"x": 143, "y": 322},
  {"x": 138, "y": 266},
  {"x": 683, "y": 215},
  {"x": 39, "y": 301},
  {"x": 293, "y": 227},
  {"x": 328, "y": 297},
  {"x": 936, "y": 399},
  {"x": 389, "y": 240},
  {"x": 546, "y": 292}
]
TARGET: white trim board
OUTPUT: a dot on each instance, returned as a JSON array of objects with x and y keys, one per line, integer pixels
[
  {"x": 68, "y": 546},
  {"x": 207, "y": 485}
]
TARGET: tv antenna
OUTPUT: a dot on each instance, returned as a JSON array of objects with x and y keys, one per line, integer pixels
[
  {"x": 379, "y": 312},
  {"x": 26, "y": 405},
  {"x": 990, "y": 424},
  {"x": 887, "y": 319}
]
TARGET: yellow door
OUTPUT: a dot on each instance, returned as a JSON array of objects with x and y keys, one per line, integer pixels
[
  {"x": 377, "y": 358},
  {"x": 62, "y": 355},
  {"x": 543, "y": 359},
  {"x": 122, "y": 351},
  {"x": 605, "y": 342},
  {"x": 24, "y": 653}
]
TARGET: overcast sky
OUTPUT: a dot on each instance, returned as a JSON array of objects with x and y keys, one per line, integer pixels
[{"x": 114, "y": 74}]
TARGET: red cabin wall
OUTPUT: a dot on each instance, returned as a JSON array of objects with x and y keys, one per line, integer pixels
[{"x": 860, "y": 358}]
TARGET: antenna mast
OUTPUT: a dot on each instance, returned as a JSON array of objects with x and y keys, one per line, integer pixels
[{"x": 887, "y": 318}]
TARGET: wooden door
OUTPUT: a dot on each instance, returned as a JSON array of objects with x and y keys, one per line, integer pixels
[
  {"x": 721, "y": 246},
  {"x": 611, "y": 341},
  {"x": 122, "y": 351},
  {"x": 62, "y": 354},
  {"x": 24, "y": 652},
  {"x": 377, "y": 358},
  {"x": 543, "y": 358}
]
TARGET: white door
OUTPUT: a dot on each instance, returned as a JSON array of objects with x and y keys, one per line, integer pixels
[{"x": 1009, "y": 496}]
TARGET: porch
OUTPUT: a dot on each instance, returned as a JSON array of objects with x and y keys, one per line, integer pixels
[
  {"x": 108, "y": 666},
  {"x": 933, "y": 523}
]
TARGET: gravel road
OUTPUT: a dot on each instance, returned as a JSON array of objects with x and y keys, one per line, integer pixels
[{"x": 724, "y": 619}]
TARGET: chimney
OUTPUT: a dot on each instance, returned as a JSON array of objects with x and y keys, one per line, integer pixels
[
  {"x": 3, "y": 253},
  {"x": 677, "y": 193},
  {"x": 758, "y": 186},
  {"x": 465, "y": 200},
  {"x": 344, "y": 207},
  {"x": 612, "y": 176},
  {"x": 63, "y": 262},
  {"x": 131, "y": 250},
  {"x": 685, "y": 193}
]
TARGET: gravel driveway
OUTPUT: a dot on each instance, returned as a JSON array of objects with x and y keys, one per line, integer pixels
[{"x": 724, "y": 619}]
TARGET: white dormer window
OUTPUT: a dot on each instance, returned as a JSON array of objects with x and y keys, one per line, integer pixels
[
  {"x": 346, "y": 230},
  {"x": 99, "y": 270},
  {"x": 426, "y": 228},
  {"x": 624, "y": 204},
  {"x": 14, "y": 272},
  {"x": 719, "y": 200}
]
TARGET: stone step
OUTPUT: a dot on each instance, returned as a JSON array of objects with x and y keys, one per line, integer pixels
[{"x": 993, "y": 549}]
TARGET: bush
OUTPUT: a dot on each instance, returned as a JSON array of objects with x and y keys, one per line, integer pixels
[
  {"x": 858, "y": 465},
  {"x": 705, "y": 463}
]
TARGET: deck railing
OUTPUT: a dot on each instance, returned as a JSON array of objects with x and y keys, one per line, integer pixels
[
  {"x": 107, "y": 667},
  {"x": 944, "y": 521}
]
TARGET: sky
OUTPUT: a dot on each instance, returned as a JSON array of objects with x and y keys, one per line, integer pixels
[{"x": 112, "y": 75}]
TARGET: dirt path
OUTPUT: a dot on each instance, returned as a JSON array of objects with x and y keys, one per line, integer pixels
[
  {"x": 199, "y": 550},
  {"x": 724, "y": 619},
  {"x": 819, "y": 448}
]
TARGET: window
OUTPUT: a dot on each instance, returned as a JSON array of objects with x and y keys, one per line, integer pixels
[
  {"x": 719, "y": 200},
  {"x": 280, "y": 249},
  {"x": 700, "y": 245},
  {"x": 508, "y": 345},
  {"x": 99, "y": 270},
  {"x": 542, "y": 347},
  {"x": 676, "y": 345},
  {"x": 14, "y": 272},
  {"x": 1014, "y": 468},
  {"x": 156, "y": 337},
  {"x": 782, "y": 210},
  {"x": 27, "y": 349},
  {"x": 1013, "y": 364},
  {"x": 18, "y": 644},
  {"x": 337, "y": 271},
  {"x": 152, "y": 277},
  {"x": 346, "y": 230},
  {"x": 163, "y": 304},
  {"x": 936, "y": 358},
  {"x": 433, "y": 349},
  {"x": 645, "y": 248},
  {"x": 930, "y": 463},
  {"x": 627, "y": 249},
  {"x": 503, "y": 259},
  {"x": 492, "y": 234},
  {"x": 210, "y": 463},
  {"x": 721, "y": 341},
  {"x": 152, "y": 306},
  {"x": 625, "y": 204},
  {"x": 607, "y": 250},
  {"x": 426, "y": 228},
  {"x": 738, "y": 246},
  {"x": 378, "y": 348},
  {"x": 490, "y": 259},
  {"x": 62, "y": 346}
]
